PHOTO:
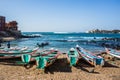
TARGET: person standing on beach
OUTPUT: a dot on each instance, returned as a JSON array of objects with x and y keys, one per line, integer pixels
[
  {"x": 8, "y": 45},
  {"x": 0, "y": 43}
]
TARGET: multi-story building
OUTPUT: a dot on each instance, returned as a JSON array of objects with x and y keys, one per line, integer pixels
[
  {"x": 11, "y": 26},
  {"x": 2, "y": 23},
  {"x": 7, "y": 26}
]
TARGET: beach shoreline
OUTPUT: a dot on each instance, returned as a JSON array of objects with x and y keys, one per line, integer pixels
[
  {"x": 60, "y": 70},
  {"x": 5, "y": 39}
]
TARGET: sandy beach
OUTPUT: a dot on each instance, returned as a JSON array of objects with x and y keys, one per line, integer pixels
[{"x": 61, "y": 70}]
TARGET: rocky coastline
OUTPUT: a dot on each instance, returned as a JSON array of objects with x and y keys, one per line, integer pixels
[
  {"x": 10, "y": 35},
  {"x": 104, "y": 31}
]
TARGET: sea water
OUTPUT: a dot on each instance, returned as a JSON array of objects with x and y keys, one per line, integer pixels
[{"x": 63, "y": 41}]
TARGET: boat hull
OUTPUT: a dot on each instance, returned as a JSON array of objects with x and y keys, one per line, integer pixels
[
  {"x": 73, "y": 57},
  {"x": 90, "y": 57}
]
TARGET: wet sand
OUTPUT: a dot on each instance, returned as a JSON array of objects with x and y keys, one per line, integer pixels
[
  {"x": 61, "y": 70},
  {"x": 8, "y": 38}
]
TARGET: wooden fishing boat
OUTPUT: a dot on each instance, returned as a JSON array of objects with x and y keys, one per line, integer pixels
[
  {"x": 18, "y": 57},
  {"x": 73, "y": 57},
  {"x": 43, "y": 59},
  {"x": 15, "y": 53},
  {"x": 47, "y": 58},
  {"x": 89, "y": 57},
  {"x": 2, "y": 47},
  {"x": 113, "y": 52},
  {"x": 13, "y": 49}
]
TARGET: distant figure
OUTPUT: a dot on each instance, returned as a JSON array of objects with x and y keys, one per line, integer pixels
[
  {"x": 78, "y": 47},
  {"x": 8, "y": 45},
  {"x": 0, "y": 43},
  {"x": 43, "y": 44}
]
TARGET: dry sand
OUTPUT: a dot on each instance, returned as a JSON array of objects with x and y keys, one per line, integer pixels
[{"x": 60, "y": 70}]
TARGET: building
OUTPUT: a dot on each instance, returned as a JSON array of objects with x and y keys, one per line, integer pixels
[
  {"x": 11, "y": 26},
  {"x": 2, "y": 23}
]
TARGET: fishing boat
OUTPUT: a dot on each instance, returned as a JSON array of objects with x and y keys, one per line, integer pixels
[
  {"x": 47, "y": 58},
  {"x": 16, "y": 48},
  {"x": 2, "y": 47},
  {"x": 73, "y": 57},
  {"x": 15, "y": 53},
  {"x": 18, "y": 56},
  {"x": 113, "y": 52},
  {"x": 43, "y": 59},
  {"x": 89, "y": 57}
]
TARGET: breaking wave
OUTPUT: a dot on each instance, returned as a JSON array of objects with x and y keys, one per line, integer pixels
[{"x": 70, "y": 40}]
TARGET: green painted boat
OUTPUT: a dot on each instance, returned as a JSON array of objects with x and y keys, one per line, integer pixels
[
  {"x": 7, "y": 54},
  {"x": 43, "y": 59},
  {"x": 73, "y": 57},
  {"x": 46, "y": 58},
  {"x": 26, "y": 58}
]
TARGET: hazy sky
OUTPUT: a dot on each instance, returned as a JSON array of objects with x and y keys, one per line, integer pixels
[{"x": 62, "y": 15}]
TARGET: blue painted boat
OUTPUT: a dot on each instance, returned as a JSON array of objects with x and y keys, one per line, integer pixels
[
  {"x": 90, "y": 57},
  {"x": 113, "y": 52}
]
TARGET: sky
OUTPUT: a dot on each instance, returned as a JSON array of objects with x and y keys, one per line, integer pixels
[{"x": 62, "y": 15}]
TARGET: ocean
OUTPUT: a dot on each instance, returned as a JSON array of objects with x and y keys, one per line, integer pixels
[{"x": 63, "y": 41}]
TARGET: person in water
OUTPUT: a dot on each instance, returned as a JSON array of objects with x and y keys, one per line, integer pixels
[{"x": 8, "y": 45}]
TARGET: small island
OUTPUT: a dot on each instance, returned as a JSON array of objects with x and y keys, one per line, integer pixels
[{"x": 104, "y": 31}]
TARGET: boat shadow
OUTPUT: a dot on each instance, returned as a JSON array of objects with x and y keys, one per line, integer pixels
[
  {"x": 108, "y": 64},
  {"x": 16, "y": 62},
  {"x": 11, "y": 62},
  {"x": 60, "y": 65},
  {"x": 83, "y": 65}
]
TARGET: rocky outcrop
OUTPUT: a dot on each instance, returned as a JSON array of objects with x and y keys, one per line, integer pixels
[
  {"x": 16, "y": 34},
  {"x": 9, "y": 33},
  {"x": 3, "y": 34},
  {"x": 104, "y": 31},
  {"x": 13, "y": 34}
]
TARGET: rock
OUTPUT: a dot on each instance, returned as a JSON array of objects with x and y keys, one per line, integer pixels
[{"x": 3, "y": 34}]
